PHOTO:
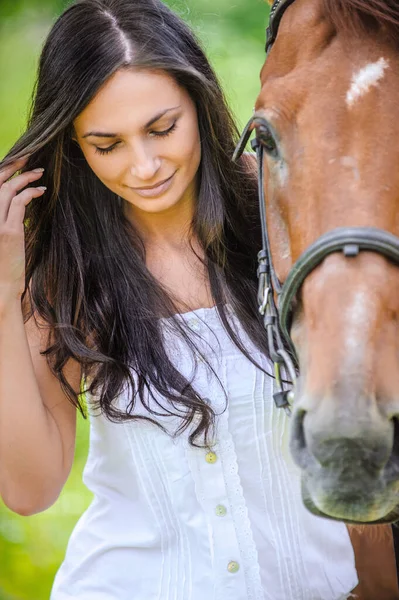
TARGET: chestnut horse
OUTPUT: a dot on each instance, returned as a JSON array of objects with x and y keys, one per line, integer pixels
[{"x": 327, "y": 125}]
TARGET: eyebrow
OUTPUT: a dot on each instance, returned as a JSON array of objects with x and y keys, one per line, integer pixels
[{"x": 103, "y": 134}]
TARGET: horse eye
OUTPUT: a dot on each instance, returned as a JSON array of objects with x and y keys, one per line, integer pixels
[{"x": 267, "y": 140}]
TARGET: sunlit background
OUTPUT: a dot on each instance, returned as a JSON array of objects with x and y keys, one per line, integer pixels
[{"x": 233, "y": 34}]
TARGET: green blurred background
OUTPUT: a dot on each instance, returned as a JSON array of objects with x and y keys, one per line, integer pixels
[{"x": 233, "y": 34}]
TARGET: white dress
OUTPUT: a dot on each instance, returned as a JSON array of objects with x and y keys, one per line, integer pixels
[{"x": 172, "y": 522}]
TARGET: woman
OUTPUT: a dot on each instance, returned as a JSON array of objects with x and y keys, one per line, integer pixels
[{"x": 139, "y": 276}]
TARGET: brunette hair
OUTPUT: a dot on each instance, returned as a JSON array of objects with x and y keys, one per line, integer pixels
[{"x": 86, "y": 276}]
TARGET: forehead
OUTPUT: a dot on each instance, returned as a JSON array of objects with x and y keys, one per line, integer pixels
[
  {"x": 131, "y": 97},
  {"x": 324, "y": 71}
]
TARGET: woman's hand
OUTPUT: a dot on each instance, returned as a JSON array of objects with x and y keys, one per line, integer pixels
[{"x": 12, "y": 213}]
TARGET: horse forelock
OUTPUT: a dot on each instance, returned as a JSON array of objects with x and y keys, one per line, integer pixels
[{"x": 350, "y": 15}]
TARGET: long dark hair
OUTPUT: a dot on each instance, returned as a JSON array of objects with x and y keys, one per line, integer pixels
[{"x": 86, "y": 275}]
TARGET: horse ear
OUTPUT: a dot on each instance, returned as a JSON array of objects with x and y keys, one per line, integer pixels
[{"x": 270, "y": 2}]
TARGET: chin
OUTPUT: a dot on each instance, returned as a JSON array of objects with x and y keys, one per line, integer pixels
[{"x": 149, "y": 205}]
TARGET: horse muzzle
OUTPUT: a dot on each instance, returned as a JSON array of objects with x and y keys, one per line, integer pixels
[{"x": 350, "y": 467}]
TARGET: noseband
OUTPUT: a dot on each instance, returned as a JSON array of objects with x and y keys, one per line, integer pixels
[{"x": 275, "y": 299}]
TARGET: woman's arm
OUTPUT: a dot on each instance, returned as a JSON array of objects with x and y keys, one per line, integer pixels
[{"x": 37, "y": 421}]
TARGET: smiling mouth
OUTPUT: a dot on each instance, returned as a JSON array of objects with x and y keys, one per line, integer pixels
[
  {"x": 152, "y": 187},
  {"x": 154, "y": 190}
]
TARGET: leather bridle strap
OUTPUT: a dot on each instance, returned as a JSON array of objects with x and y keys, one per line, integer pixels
[
  {"x": 258, "y": 148},
  {"x": 350, "y": 241},
  {"x": 276, "y": 12},
  {"x": 269, "y": 287}
]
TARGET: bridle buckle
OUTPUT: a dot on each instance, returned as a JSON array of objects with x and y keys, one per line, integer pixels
[{"x": 263, "y": 306}]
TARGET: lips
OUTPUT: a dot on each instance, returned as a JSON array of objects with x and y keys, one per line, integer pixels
[{"x": 155, "y": 190}]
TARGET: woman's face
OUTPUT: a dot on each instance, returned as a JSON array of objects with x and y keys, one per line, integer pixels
[{"x": 140, "y": 137}]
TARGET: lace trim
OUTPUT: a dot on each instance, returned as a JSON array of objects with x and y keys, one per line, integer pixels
[{"x": 248, "y": 550}]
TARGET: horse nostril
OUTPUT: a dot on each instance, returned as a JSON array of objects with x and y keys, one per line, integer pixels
[
  {"x": 392, "y": 468},
  {"x": 339, "y": 445},
  {"x": 395, "y": 449},
  {"x": 298, "y": 430},
  {"x": 299, "y": 450},
  {"x": 373, "y": 448}
]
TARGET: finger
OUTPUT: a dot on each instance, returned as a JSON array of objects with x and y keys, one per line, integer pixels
[
  {"x": 10, "y": 189},
  {"x": 9, "y": 171},
  {"x": 18, "y": 182},
  {"x": 16, "y": 214}
]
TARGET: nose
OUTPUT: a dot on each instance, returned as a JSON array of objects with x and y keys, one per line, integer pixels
[
  {"x": 342, "y": 442},
  {"x": 145, "y": 164}
]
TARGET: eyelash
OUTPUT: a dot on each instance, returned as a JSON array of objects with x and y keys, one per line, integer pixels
[{"x": 162, "y": 134}]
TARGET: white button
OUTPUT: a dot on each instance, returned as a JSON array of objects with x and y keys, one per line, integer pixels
[
  {"x": 220, "y": 510},
  {"x": 211, "y": 458},
  {"x": 233, "y": 566}
]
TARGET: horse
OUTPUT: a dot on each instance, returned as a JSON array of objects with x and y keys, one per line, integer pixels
[{"x": 326, "y": 123}]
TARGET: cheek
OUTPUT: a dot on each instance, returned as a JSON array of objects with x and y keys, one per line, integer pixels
[
  {"x": 188, "y": 145},
  {"x": 279, "y": 174},
  {"x": 277, "y": 219},
  {"x": 195, "y": 155}
]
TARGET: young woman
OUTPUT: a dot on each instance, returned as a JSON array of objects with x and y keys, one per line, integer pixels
[{"x": 128, "y": 264}]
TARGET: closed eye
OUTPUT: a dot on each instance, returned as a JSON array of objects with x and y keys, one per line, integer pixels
[
  {"x": 106, "y": 150},
  {"x": 163, "y": 134}
]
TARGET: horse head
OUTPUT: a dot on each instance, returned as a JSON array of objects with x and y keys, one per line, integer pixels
[{"x": 327, "y": 119}]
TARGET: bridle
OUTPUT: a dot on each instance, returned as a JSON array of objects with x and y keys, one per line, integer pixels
[
  {"x": 276, "y": 12},
  {"x": 276, "y": 299}
]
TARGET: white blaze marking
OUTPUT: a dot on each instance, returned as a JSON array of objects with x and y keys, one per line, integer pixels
[
  {"x": 357, "y": 313},
  {"x": 364, "y": 79}
]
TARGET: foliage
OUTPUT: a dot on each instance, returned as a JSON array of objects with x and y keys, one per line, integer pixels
[{"x": 31, "y": 549}]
